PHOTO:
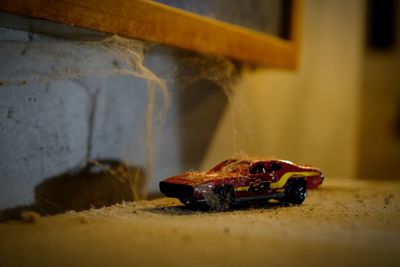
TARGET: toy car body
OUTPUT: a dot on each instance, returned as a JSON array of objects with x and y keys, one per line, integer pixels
[{"x": 237, "y": 181}]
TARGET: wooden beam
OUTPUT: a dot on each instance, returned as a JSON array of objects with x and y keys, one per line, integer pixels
[{"x": 159, "y": 23}]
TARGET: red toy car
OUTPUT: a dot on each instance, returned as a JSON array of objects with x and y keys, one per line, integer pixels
[{"x": 237, "y": 181}]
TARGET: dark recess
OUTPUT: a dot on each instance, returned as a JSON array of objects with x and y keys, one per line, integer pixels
[
  {"x": 381, "y": 24},
  {"x": 286, "y": 31}
]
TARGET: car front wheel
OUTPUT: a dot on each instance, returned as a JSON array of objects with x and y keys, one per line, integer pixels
[{"x": 222, "y": 198}]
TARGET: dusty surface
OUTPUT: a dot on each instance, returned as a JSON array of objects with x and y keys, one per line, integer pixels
[{"x": 344, "y": 223}]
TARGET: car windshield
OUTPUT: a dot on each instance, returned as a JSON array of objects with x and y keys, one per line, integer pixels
[{"x": 231, "y": 165}]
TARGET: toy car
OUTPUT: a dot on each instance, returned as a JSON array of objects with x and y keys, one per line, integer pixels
[{"x": 236, "y": 181}]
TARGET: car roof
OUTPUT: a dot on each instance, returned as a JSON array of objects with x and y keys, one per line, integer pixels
[{"x": 257, "y": 160}]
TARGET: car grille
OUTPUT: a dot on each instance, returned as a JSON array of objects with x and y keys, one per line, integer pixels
[{"x": 180, "y": 191}]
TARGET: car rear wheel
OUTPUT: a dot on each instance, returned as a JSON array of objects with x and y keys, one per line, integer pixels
[
  {"x": 296, "y": 192},
  {"x": 222, "y": 198}
]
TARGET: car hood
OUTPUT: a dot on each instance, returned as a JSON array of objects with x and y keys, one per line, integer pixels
[{"x": 195, "y": 178}]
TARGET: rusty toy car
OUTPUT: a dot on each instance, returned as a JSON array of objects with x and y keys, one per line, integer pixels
[{"x": 236, "y": 181}]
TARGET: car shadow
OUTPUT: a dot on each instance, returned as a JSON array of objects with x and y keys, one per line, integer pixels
[{"x": 179, "y": 210}]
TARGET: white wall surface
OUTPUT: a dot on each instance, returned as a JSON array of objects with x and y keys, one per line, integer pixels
[
  {"x": 310, "y": 115},
  {"x": 380, "y": 121}
]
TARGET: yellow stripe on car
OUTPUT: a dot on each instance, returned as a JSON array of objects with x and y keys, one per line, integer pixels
[
  {"x": 242, "y": 188},
  {"x": 288, "y": 175},
  {"x": 281, "y": 182}
]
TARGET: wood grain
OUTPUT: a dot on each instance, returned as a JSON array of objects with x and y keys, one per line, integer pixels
[{"x": 159, "y": 23}]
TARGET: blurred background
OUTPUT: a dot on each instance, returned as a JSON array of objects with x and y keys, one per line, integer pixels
[{"x": 338, "y": 110}]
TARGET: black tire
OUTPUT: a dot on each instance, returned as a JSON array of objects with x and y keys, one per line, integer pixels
[
  {"x": 223, "y": 198},
  {"x": 296, "y": 192}
]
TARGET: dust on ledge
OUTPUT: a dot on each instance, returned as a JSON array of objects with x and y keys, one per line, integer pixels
[{"x": 345, "y": 222}]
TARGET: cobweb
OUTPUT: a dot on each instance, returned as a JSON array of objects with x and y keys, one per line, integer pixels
[
  {"x": 129, "y": 55},
  {"x": 81, "y": 65},
  {"x": 132, "y": 52},
  {"x": 222, "y": 72}
]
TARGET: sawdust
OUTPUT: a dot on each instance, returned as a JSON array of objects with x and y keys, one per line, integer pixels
[{"x": 344, "y": 223}]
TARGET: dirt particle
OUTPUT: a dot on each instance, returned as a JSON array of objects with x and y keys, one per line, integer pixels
[
  {"x": 10, "y": 113},
  {"x": 115, "y": 63},
  {"x": 83, "y": 220},
  {"x": 186, "y": 238},
  {"x": 28, "y": 216},
  {"x": 388, "y": 199},
  {"x": 227, "y": 230},
  {"x": 354, "y": 226}
]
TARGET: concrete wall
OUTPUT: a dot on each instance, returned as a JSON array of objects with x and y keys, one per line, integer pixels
[{"x": 46, "y": 95}]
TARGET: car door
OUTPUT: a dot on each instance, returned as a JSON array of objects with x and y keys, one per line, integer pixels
[
  {"x": 259, "y": 179},
  {"x": 274, "y": 169}
]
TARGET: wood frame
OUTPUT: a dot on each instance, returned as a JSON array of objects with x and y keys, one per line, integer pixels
[{"x": 153, "y": 22}]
